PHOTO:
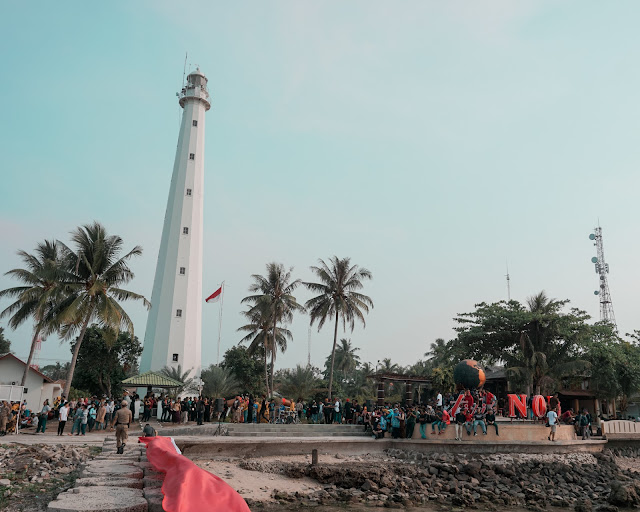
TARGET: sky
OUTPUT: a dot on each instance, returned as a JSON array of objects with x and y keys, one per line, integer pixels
[{"x": 434, "y": 143}]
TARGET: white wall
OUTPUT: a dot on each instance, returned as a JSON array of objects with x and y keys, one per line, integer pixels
[{"x": 11, "y": 371}]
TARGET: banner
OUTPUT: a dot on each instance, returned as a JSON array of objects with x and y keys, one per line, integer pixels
[{"x": 186, "y": 487}]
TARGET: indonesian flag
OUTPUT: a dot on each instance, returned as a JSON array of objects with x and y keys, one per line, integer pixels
[
  {"x": 185, "y": 486},
  {"x": 215, "y": 296}
]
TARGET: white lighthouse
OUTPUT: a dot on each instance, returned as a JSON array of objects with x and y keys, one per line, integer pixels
[{"x": 174, "y": 327}]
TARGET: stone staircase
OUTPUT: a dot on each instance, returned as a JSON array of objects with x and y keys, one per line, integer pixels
[
  {"x": 114, "y": 483},
  {"x": 264, "y": 430}
]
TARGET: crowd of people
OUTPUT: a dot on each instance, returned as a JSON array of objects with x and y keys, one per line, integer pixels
[
  {"x": 83, "y": 414},
  {"x": 475, "y": 414}
]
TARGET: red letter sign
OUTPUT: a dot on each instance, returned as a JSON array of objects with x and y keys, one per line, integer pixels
[{"x": 519, "y": 403}]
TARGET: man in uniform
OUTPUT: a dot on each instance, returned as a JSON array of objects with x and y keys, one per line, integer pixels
[
  {"x": 121, "y": 419},
  {"x": 5, "y": 414}
]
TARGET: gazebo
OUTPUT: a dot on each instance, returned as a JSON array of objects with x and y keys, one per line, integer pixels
[
  {"x": 409, "y": 381},
  {"x": 151, "y": 380}
]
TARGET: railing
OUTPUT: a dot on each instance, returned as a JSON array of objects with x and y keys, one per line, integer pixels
[{"x": 621, "y": 429}]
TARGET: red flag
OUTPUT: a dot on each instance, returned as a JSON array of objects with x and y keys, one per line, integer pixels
[
  {"x": 215, "y": 296},
  {"x": 186, "y": 487}
]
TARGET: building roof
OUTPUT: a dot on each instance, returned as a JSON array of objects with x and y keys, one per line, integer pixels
[
  {"x": 577, "y": 393},
  {"x": 157, "y": 380},
  {"x": 397, "y": 377},
  {"x": 10, "y": 355}
]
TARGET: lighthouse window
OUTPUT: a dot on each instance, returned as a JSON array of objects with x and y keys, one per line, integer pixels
[
  {"x": 175, "y": 358},
  {"x": 185, "y": 231},
  {"x": 179, "y": 313},
  {"x": 192, "y": 156},
  {"x": 183, "y": 271},
  {"x": 194, "y": 122},
  {"x": 188, "y": 191}
]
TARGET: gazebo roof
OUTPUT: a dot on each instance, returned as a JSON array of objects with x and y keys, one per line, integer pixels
[{"x": 156, "y": 380}]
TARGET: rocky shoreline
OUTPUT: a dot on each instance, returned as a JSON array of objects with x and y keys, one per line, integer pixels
[
  {"x": 31, "y": 476},
  {"x": 402, "y": 479}
]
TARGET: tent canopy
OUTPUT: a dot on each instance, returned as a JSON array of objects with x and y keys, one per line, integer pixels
[{"x": 151, "y": 379}]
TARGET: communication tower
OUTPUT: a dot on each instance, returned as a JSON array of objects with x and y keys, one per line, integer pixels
[{"x": 602, "y": 269}]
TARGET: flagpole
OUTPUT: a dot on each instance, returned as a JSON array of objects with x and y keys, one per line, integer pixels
[{"x": 220, "y": 320}]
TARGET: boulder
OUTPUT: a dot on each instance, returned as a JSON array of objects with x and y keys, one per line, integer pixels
[{"x": 624, "y": 494}]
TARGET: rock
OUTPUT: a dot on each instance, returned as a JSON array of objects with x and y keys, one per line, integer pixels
[
  {"x": 606, "y": 508},
  {"x": 623, "y": 494},
  {"x": 5, "y": 482},
  {"x": 583, "y": 505},
  {"x": 368, "y": 485}
]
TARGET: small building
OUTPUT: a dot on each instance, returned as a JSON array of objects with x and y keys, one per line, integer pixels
[{"x": 38, "y": 387}]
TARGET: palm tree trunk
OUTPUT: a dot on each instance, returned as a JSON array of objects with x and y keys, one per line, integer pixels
[
  {"x": 273, "y": 348},
  {"x": 273, "y": 364},
  {"x": 33, "y": 349},
  {"x": 266, "y": 372},
  {"x": 333, "y": 354},
  {"x": 76, "y": 350}
]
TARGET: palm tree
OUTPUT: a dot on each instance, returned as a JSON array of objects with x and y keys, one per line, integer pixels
[
  {"x": 259, "y": 335},
  {"x": 275, "y": 299},
  {"x": 96, "y": 273},
  {"x": 219, "y": 382},
  {"x": 41, "y": 292},
  {"x": 346, "y": 360},
  {"x": 300, "y": 382},
  {"x": 542, "y": 352},
  {"x": 338, "y": 297},
  {"x": 56, "y": 371},
  {"x": 386, "y": 366},
  {"x": 188, "y": 383}
]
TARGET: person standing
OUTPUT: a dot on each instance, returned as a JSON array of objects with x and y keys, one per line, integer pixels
[
  {"x": 200, "y": 410},
  {"x": 460, "y": 420},
  {"x": 552, "y": 418},
  {"x": 102, "y": 412},
  {"x": 85, "y": 419},
  {"x": 5, "y": 413},
  {"x": 439, "y": 400},
  {"x": 63, "y": 413},
  {"x": 250, "y": 410},
  {"x": 121, "y": 421},
  {"x": 337, "y": 412},
  {"x": 110, "y": 408},
  {"x": 77, "y": 420},
  {"x": 44, "y": 415},
  {"x": 92, "y": 415}
]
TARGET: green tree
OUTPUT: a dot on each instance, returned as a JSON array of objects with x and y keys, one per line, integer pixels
[
  {"x": 260, "y": 334},
  {"x": 442, "y": 379},
  {"x": 274, "y": 295},
  {"x": 105, "y": 359},
  {"x": 538, "y": 343},
  {"x": 189, "y": 384},
  {"x": 246, "y": 367},
  {"x": 96, "y": 272},
  {"x": 39, "y": 295},
  {"x": 301, "y": 382},
  {"x": 346, "y": 362},
  {"x": 5, "y": 343},
  {"x": 56, "y": 371},
  {"x": 615, "y": 363},
  {"x": 338, "y": 298},
  {"x": 219, "y": 382}
]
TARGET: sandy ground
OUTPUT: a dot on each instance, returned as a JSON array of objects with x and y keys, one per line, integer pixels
[{"x": 259, "y": 485}]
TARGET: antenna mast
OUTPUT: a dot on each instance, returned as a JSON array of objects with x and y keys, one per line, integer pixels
[
  {"x": 602, "y": 269},
  {"x": 508, "y": 284}
]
